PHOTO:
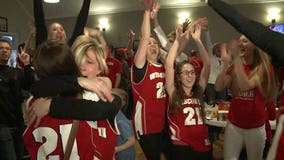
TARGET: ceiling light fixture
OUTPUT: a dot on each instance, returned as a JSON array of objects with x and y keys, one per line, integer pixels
[{"x": 51, "y": 1}]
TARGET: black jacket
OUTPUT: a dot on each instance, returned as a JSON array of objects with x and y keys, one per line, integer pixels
[{"x": 12, "y": 82}]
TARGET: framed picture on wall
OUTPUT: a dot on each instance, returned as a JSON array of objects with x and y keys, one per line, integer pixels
[{"x": 3, "y": 24}]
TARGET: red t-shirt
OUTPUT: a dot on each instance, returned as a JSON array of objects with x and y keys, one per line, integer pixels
[
  {"x": 248, "y": 107},
  {"x": 114, "y": 67}
]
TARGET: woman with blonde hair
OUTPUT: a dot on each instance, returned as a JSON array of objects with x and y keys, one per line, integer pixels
[
  {"x": 82, "y": 45},
  {"x": 250, "y": 79}
]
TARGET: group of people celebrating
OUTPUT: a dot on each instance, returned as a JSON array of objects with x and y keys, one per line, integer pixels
[{"x": 74, "y": 112}]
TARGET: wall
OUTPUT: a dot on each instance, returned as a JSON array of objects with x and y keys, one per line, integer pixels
[
  {"x": 120, "y": 23},
  {"x": 18, "y": 18},
  {"x": 220, "y": 30}
]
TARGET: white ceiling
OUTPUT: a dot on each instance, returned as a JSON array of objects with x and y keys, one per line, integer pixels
[{"x": 70, "y": 8}]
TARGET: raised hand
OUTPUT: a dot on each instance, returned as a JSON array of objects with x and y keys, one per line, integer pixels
[
  {"x": 196, "y": 32},
  {"x": 185, "y": 24},
  {"x": 24, "y": 57},
  {"x": 92, "y": 32},
  {"x": 131, "y": 34},
  {"x": 233, "y": 48},
  {"x": 147, "y": 4},
  {"x": 203, "y": 22},
  {"x": 226, "y": 57},
  {"x": 182, "y": 36},
  {"x": 155, "y": 10}
]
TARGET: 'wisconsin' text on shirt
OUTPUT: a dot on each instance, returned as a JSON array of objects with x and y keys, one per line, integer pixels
[
  {"x": 157, "y": 75},
  {"x": 191, "y": 101}
]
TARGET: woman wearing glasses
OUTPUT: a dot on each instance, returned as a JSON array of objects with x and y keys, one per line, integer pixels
[{"x": 188, "y": 131}]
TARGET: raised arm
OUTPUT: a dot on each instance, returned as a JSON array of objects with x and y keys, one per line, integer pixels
[
  {"x": 223, "y": 80},
  {"x": 32, "y": 32},
  {"x": 158, "y": 29},
  {"x": 204, "y": 76},
  {"x": 169, "y": 67},
  {"x": 41, "y": 30},
  {"x": 266, "y": 39},
  {"x": 96, "y": 34},
  {"x": 208, "y": 41},
  {"x": 170, "y": 60},
  {"x": 130, "y": 51},
  {"x": 140, "y": 56},
  {"x": 80, "y": 22}
]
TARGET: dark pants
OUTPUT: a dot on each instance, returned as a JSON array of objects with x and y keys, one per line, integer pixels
[
  {"x": 186, "y": 153},
  {"x": 11, "y": 143},
  {"x": 154, "y": 144}
]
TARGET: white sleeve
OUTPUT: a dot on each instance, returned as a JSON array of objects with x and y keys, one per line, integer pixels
[
  {"x": 162, "y": 38},
  {"x": 181, "y": 57},
  {"x": 208, "y": 42},
  {"x": 90, "y": 96}
]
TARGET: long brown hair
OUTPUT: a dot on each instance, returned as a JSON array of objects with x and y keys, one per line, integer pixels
[
  {"x": 179, "y": 93},
  {"x": 261, "y": 69}
]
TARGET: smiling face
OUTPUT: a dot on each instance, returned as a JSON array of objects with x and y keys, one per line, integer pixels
[
  {"x": 89, "y": 66},
  {"x": 247, "y": 48},
  {"x": 187, "y": 75},
  {"x": 56, "y": 32},
  {"x": 153, "y": 50}
]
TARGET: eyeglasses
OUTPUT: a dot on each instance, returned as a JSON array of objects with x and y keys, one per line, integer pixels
[
  {"x": 187, "y": 73},
  {"x": 7, "y": 48}
]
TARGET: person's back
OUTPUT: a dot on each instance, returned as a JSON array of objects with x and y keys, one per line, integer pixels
[{"x": 92, "y": 139}]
